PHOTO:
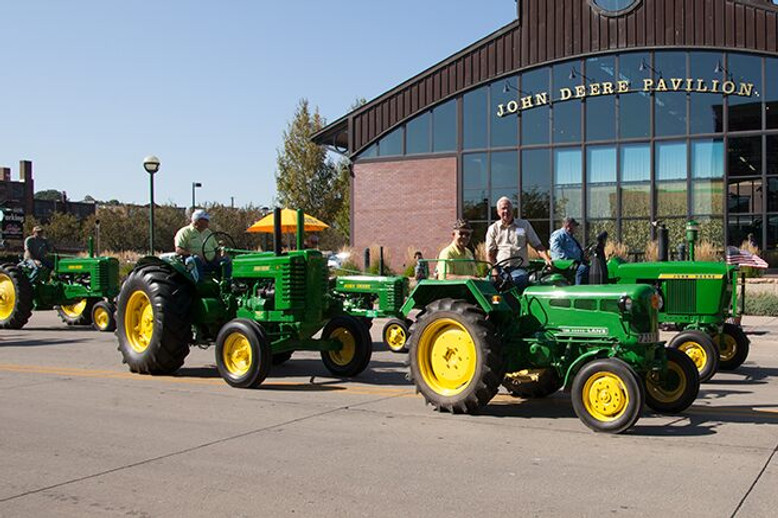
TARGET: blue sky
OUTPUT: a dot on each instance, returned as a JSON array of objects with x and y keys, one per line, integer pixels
[{"x": 91, "y": 87}]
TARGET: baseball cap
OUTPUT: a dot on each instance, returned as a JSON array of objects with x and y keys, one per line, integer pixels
[
  {"x": 463, "y": 224},
  {"x": 200, "y": 214},
  {"x": 569, "y": 220}
]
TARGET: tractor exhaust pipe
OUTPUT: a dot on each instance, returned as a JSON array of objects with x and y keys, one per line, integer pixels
[
  {"x": 277, "y": 230},
  {"x": 300, "y": 228}
]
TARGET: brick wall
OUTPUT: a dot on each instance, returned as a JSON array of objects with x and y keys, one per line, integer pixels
[{"x": 408, "y": 203}]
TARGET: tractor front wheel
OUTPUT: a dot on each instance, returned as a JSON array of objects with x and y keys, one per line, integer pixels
[
  {"x": 676, "y": 389},
  {"x": 607, "y": 396},
  {"x": 700, "y": 348},
  {"x": 243, "y": 353},
  {"x": 16, "y": 295},
  {"x": 455, "y": 357},
  {"x": 79, "y": 313},
  {"x": 103, "y": 318},
  {"x": 154, "y": 325},
  {"x": 733, "y": 345},
  {"x": 395, "y": 335},
  {"x": 357, "y": 346}
]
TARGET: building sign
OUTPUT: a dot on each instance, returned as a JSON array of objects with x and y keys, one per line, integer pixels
[
  {"x": 11, "y": 224},
  {"x": 675, "y": 84}
]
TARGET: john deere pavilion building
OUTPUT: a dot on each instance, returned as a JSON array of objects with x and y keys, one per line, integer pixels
[{"x": 616, "y": 112}]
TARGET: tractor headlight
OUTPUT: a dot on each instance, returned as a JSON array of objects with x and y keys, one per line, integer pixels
[
  {"x": 625, "y": 304},
  {"x": 657, "y": 302}
]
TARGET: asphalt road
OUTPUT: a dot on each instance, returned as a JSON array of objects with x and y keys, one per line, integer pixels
[{"x": 81, "y": 436}]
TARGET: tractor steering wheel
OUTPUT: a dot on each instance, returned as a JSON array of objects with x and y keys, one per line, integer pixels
[
  {"x": 221, "y": 236},
  {"x": 501, "y": 277}
]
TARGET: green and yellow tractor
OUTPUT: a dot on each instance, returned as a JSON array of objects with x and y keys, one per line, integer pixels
[
  {"x": 257, "y": 312},
  {"x": 599, "y": 342},
  {"x": 81, "y": 289}
]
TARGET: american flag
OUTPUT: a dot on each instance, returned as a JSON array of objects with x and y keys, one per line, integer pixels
[{"x": 740, "y": 257}]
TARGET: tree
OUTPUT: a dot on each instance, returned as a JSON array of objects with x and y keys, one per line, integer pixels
[
  {"x": 306, "y": 178},
  {"x": 49, "y": 194}
]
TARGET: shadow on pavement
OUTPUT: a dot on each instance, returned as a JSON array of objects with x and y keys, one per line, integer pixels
[{"x": 16, "y": 342}]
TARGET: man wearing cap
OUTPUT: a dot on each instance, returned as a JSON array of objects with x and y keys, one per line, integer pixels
[
  {"x": 189, "y": 244},
  {"x": 508, "y": 238},
  {"x": 36, "y": 251},
  {"x": 564, "y": 245},
  {"x": 461, "y": 268}
]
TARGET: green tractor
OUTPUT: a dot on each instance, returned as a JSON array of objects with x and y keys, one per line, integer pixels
[
  {"x": 81, "y": 289},
  {"x": 268, "y": 306},
  {"x": 599, "y": 342},
  {"x": 380, "y": 296},
  {"x": 700, "y": 301}
]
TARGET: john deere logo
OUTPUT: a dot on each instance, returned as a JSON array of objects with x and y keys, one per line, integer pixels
[
  {"x": 261, "y": 268},
  {"x": 599, "y": 331},
  {"x": 692, "y": 276},
  {"x": 75, "y": 267}
]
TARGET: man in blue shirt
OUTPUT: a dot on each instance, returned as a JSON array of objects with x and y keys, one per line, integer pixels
[{"x": 563, "y": 245}]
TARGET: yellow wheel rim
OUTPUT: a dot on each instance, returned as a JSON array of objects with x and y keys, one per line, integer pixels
[
  {"x": 139, "y": 321},
  {"x": 101, "y": 318},
  {"x": 727, "y": 346},
  {"x": 74, "y": 310},
  {"x": 675, "y": 378},
  {"x": 7, "y": 296},
  {"x": 447, "y": 357},
  {"x": 346, "y": 354},
  {"x": 237, "y": 354},
  {"x": 695, "y": 351},
  {"x": 396, "y": 337},
  {"x": 605, "y": 396}
]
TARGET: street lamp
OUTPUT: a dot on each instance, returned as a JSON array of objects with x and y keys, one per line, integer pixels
[
  {"x": 151, "y": 165},
  {"x": 194, "y": 186}
]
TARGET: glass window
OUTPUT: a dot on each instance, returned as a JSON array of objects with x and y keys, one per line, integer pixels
[
  {"x": 614, "y": 6},
  {"x": 504, "y": 130},
  {"x": 601, "y": 182},
  {"x": 475, "y": 186},
  {"x": 669, "y": 107},
  {"x": 707, "y": 109},
  {"x": 535, "y": 184},
  {"x": 711, "y": 230},
  {"x": 417, "y": 134},
  {"x": 744, "y": 196},
  {"x": 391, "y": 144},
  {"x": 745, "y": 113},
  {"x": 771, "y": 92},
  {"x": 475, "y": 204},
  {"x": 772, "y": 155},
  {"x": 744, "y": 156},
  {"x": 634, "y": 108},
  {"x": 601, "y": 111},
  {"x": 671, "y": 173},
  {"x": 636, "y": 178},
  {"x": 475, "y": 116},
  {"x": 567, "y": 114},
  {"x": 772, "y": 195},
  {"x": 567, "y": 183},
  {"x": 595, "y": 226},
  {"x": 741, "y": 226},
  {"x": 444, "y": 127},
  {"x": 635, "y": 234},
  {"x": 535, "y": 120},
  {"x": 707, "y": 176},
  {"x": 505, "y": 178},
  {"x": 370, "y": 152}
]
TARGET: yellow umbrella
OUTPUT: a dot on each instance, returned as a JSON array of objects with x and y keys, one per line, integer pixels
[{"x": 288, "y": 223}]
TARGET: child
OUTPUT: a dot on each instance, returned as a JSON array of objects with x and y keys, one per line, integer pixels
[{"x": 422, "y": 270}]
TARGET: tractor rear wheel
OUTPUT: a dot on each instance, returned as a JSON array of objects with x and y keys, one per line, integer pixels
[
  {"x": 243, "y": 354},
  {"x": 16, "y": 295},
  {"x": 532, "y": 383},
  {"x": 455, "y": 358},
  {"x": 677, "y": 389},
  {"x": 700, "y": 348},
  {"x": 357, "y": 348},
  {"x": 153, "y": 320},
  {"x": 103, "y": 318},
  {"x": 395, "y": 335},
  {"x": 733, "y": 346},
  {"x": 78, "y": 313},
  {"x": 607, "y": 396}
]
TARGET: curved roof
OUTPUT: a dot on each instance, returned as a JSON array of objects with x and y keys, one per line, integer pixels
[{"x": 548, "y": 31}]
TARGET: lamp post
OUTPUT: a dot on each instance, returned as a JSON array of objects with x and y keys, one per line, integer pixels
[
  {"x": 194, "y": 186},
  {"x": 151, "y": 165}
]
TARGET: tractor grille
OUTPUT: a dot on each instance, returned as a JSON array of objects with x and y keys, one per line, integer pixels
[
  {"x": 295, "y": 283},
  {"x": 681, "y": 296}
]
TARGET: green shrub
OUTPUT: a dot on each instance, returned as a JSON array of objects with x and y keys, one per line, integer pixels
[
  {"x": 762, "y": 304},
  {"x": 348, "y": 268},
  {"x": 374, "y": 268}
]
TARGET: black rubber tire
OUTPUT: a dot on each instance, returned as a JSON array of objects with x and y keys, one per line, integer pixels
[
  {"x": 742, "y": 347},
  {"x": 545, "y": 384},
  {"x": 110, "y": 311},
  {"x": 23, "y": 294},
  {"x": 488, "y": 367},
  {"x": 83, "y": 319},
  {"x": 261, "y": 355},
  {"x": 353, "y": 364},
  {"x": 395, "y": 335},
  {"x": 710, "y": 364},
  {"x": 678, "y": 390},
  {"x": 627, "y": 380},
  {"x": 281, "y": 358},
  {"x": 170, "y": 296}
]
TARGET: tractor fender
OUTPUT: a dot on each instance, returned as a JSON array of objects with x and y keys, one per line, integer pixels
[
  {"x": 580, "y": 362},
  {"x": 166, "y": 260},
  {"x": 480, "y": 293}
]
